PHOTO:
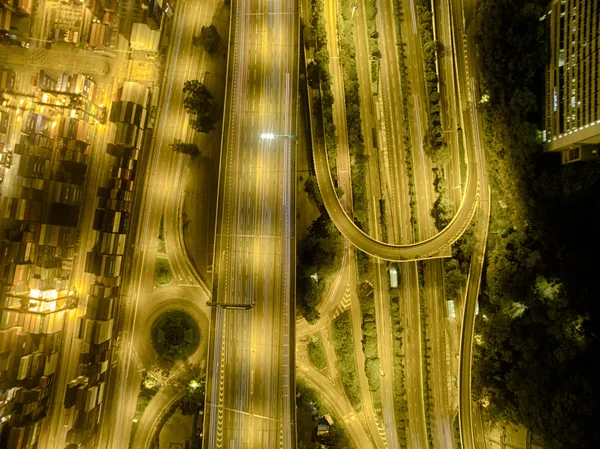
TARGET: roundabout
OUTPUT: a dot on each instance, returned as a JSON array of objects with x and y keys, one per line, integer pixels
[{"x": 175, "y": 335}]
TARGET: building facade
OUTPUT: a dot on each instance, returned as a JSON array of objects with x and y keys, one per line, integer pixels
[{"x": 572, "y": 100}]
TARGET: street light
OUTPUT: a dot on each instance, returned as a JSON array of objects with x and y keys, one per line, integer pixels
[{"x": 267, "y": 136}]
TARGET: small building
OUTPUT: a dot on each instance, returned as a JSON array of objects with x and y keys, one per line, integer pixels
[{"x": 323, "y": 426}]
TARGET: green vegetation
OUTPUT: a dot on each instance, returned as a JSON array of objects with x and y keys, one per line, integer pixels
[
  {"x": 209, "y": 39},
  {"x": 185, "y": 148},
  {"x": 374, "y": 52},
  {"x": 382, "y": 220},
  {"x": 343, "y": 342},
  {"x": 539, "y": 307},
  {"x": 425, "y": 351},
  {"x": 319, "y": 77},
  {"x": 369, "y": 342},
  {"x": 443, "y": 209},
  {"x": 320, "y": 251},
  {"x": 162, "y": 271},
  {"x": 161, "y": 236},
  {"x": 356, "y": 144},
  {"x": 201, "y": 104},
  {"x": 316, "y": 352},
  {"x": 399, "y": 388},
  {"x": 362, "y": 264},
  {"x": 456, "y": 433},
  {"x": 153, "y": 379},
  {"x": 456, "y": 269},
  {"x": 319, "y": 255},
  {"x": 175, "y": 335},
  {"x": 338, "y": 436},
  {"x": 195, "y": 390},
  {"x": 401, "y": 48},
  {"x": 435, "y": 146}
]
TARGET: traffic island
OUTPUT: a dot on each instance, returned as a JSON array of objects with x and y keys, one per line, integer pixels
[
  {"x": 175, "y": 335},
  {"x": 163, "y": 274}
]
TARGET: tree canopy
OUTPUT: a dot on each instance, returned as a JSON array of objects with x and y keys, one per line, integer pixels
[
  {"x": 209, "y": 39},
  {"x": 185, "y": 148},
  {"x": 201, "y": 104},
  {"x": 535, "y": 363}
]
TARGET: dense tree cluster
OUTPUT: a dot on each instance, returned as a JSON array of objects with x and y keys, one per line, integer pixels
[
  {"x": 356, "y": 144},
  {"x": 456, "y": 268},
  {"x": 403, "y": 70},
  {"x": 201, "y": 104},
  {"x": 209, "y": 39},
  {"x": 425, "y": 353},
  {"x": 318, "y": 256},
  {"x": 369, "y": 343},
  {"x": 400, "y": 407},
  {"x": 185, "y": 148},
  {"x": 436, "y": 147},
  {"x": 343, "y": 342},
  {"x": 319, "y": 76},
  {"x": 443, "y": 209},
  {"x": 536, "y": 358},
  {"x": 371, "y": 16},
  {"x": 338, "y": 436}
]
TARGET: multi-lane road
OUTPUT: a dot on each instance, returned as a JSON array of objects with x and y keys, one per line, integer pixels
[
  {"x": 250, "y": 397},
  {"x": 419, "y": 250},
  {"x": 158, "y": 196}
]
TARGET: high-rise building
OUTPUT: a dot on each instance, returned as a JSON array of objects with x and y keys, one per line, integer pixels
[{"x": 572, "y": 100}]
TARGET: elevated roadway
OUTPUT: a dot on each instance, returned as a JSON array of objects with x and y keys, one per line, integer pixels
[
  {"x": 421, "y": 250},
  {"x": 250, "y": 395},
  {"x": 462, "y": 14}
]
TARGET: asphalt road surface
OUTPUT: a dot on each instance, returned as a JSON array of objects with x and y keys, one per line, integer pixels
[
  {"x": 250, "y": 401},
  {"x": 155, "y": 197}
]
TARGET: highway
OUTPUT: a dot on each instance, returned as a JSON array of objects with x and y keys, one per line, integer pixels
[
  {"x": 383, "y": 176},
  {"x": 163, "y": 299},
  {"x": 156, "y": 195},
  {"x": 332, "y": 16},
  {"x": 388, "y": 251},
  {"x": 339, "y": 105},
  {"x": 337, "y": 402},
  {"x": 464, "y": 41},
  {"x": 413, "y": 251},
  {"x": 250, "y": 396}
]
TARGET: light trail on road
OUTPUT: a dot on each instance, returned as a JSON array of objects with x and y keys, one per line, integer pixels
[{"x": 250, "y": 381}]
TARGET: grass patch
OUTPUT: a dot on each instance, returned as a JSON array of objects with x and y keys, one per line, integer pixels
[
  {"x": 161, "y": 236},
  {"x": 343, "y": 342},
  {"x": 316, "y": 352},
  {"x": 162, "y": 271}
]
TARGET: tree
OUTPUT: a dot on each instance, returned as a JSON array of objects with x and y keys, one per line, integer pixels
[
  {"x": 155, "y": 377},
  {"x": 195, "y": 389},
  {"x": 209, "y": 39},
  {"x": 185, "y": 148},
  {"x": 200, "y": 103}
]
